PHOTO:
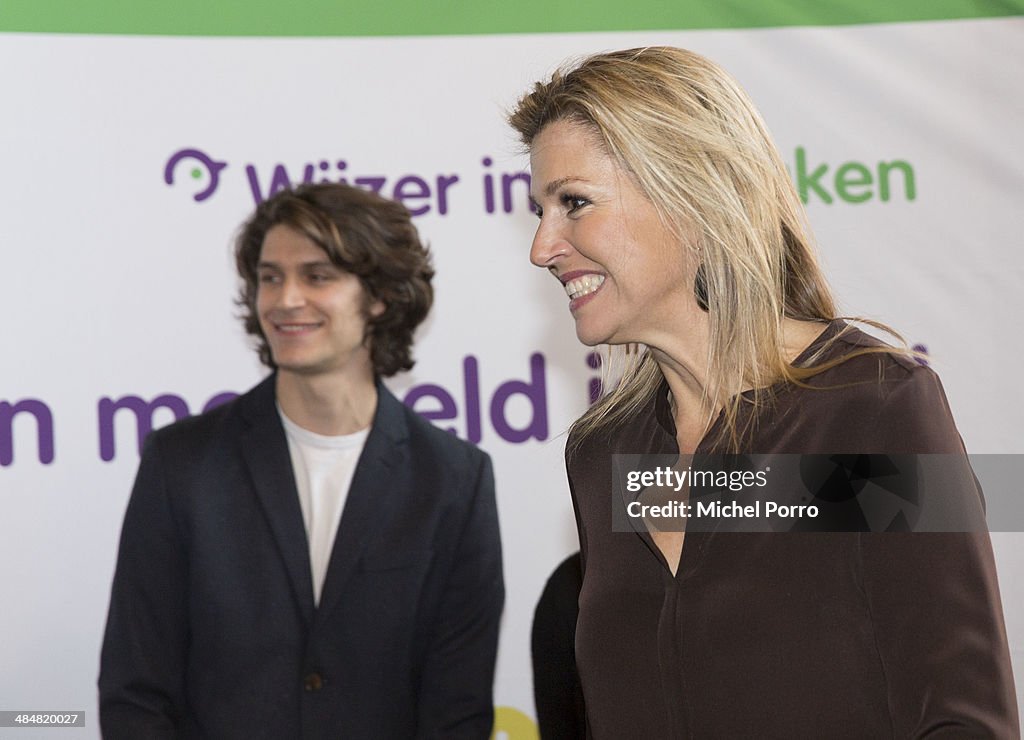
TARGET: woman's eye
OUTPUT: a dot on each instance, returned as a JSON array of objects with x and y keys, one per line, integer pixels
[
  {"x": 267, "y": 278},
  {"x": 574, "y": 202}
]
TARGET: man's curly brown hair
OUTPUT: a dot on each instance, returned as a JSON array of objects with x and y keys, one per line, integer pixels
[{"x": 362, "y": 233}]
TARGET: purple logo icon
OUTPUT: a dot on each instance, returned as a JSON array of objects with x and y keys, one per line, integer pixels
[{"x": 212, "y": 166}]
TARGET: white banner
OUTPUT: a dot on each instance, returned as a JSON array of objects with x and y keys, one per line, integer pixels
[{"x": 129, "y": 162}]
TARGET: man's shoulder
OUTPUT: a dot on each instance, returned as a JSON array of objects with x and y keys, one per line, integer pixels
[
  {"x": 224, "y": 420},
  {"x": 426, "y": 436}
]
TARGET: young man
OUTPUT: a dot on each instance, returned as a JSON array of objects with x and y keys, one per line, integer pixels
[{"x": 311, "y": 560}]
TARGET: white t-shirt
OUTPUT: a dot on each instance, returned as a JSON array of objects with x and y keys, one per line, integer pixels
[{"x": 324, "y": 466}]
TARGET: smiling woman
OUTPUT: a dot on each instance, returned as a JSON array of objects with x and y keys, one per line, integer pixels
[
  {"x": 674, "y": 144},
  {"x": 669, "y": 218},
  {"x": 603, "y": 239}
]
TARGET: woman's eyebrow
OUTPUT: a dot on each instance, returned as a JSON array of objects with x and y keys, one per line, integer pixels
[{"x": 554, "y": 185}]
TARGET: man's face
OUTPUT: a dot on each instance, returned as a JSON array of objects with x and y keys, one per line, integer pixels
[{"x": 312, "y": 312}]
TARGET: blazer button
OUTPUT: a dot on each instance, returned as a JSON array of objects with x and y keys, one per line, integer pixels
[{"x": 313, "y": 682}]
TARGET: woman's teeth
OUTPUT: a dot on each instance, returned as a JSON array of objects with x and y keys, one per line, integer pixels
[{"x": 583, "y": 285}]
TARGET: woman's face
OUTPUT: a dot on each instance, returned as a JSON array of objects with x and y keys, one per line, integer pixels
[{"x": 627, "y": 277}]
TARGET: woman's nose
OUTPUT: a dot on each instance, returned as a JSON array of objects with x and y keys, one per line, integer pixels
[{"x": 548, "y": 246}]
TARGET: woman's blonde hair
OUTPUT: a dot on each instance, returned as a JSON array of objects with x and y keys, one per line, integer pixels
[{"x": 699, "y": 150}]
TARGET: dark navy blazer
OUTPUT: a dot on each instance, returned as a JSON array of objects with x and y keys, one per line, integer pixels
[{"x": 213, "y": 632}]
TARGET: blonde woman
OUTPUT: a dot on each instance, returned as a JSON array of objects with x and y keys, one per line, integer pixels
[{"x": 670, "y": 220}]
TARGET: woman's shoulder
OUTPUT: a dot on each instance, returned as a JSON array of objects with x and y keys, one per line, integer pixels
[
  {"x": 873, "y": 397},
  {"x": 851, "y": 359},
  {"x": 841, "y": 340}
]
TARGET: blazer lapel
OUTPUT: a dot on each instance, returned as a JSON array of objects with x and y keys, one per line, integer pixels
[
  {"x": 265, "y": 449},
  {"x": 372, "y": 496}
]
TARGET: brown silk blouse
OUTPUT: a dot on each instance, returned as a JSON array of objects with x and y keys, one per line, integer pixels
[{"x": 794, "y": 635}]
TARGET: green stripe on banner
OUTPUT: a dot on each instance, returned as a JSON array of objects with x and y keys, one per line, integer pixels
[{"x": 436, "y": 17}]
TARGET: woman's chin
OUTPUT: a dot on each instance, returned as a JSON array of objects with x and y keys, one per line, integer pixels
[{"x": 591, "y": 336}]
